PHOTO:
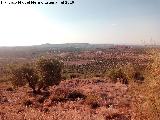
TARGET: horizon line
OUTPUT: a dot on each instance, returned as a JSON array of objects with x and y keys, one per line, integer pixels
[{"x": 121, "y": 44}]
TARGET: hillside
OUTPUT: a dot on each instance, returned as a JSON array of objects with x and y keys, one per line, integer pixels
[{"x": 98, "y": 82}]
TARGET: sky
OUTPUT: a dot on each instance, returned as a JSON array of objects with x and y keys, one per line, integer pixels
[{"x": 85, "y": 21}]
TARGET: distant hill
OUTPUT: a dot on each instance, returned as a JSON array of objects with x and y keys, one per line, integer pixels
[
  {"x": 30, "y": 51},
  {"x": 76, "y": 45}
]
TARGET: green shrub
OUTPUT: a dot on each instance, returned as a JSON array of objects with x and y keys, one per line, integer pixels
[
  {"x": 118, "y": 74},
  {"x": 133, "y": 73},
  {"x": 49, "y": 72},
  {"x": 45, "y": 73},
  {"x": 21, "y": 75},
  {"x": 128, "y": 73}
]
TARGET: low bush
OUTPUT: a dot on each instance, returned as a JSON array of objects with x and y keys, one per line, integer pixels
[
  {"x": 138, "y": 77},
  {"x": 57, "y": 99},
  {"x": 10, "y": 89},
  {"x": 92, "y": 101},
  {"x": 27, "y": 103},
  {"x": 94, "y": 105},
  {"x": 21, "y": 75},
  {"x": 74, "y": 75},
  {"x": 126, "y": 74},
  {"x": 75, "y": 95},
  {"x": 49, "y": 72},
  {"x": 118, "y": 74},
  {"x": 117, "y": 116},
  {"x": 42, "y": 74}
]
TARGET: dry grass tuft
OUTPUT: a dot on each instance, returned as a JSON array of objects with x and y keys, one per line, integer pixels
[{"x": 146, "y": 97}]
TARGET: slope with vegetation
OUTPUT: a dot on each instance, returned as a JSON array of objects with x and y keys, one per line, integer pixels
[{"x": 111, "y": 86}]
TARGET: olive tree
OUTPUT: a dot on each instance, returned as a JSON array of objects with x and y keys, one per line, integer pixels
[
  {"x": 41, "y": 75},
  {"x": 49, "y": 72}
]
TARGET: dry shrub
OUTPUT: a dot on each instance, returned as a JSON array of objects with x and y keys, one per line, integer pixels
[
  {"x": 74, "y": 75},
  {"x": 95, "y": 105},
  {"x": 63, "y": 95},
  {"x": 45, "y": 110},
  {"x": 61, "y": 91},
  {"x": 27, "y": 103},
  {"x": 117, "y": 116},
  {"x": 3, "y": 99},
  {"x": 75, "y": 95},
  {"x": 41, "y": 99},
  {"x": 9, "y": 89},
  {"x": 59, "y": 95},
  {"x": 93, "y": 101},
  {"x": 118, "y": 74},
  {"x": 126, "y": 74},
  {"x": 64, "y": 77},
  {"x": 138, "y": 77},
  {"x": 5, "y": 73},
  {"x": 57, "y": 99},
  {"x": 133, "y": 73},
  {"x": 146, "y": 97}
]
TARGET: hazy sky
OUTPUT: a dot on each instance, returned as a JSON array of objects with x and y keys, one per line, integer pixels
[{"x": 89, "y": 21}]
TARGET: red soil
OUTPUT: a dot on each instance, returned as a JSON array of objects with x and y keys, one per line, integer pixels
[{"x": 104, "y": 101}]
